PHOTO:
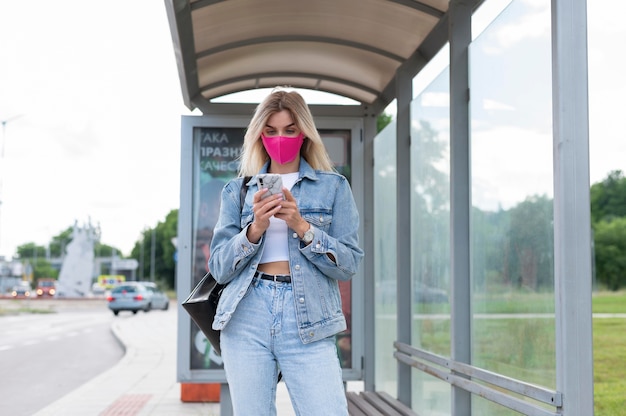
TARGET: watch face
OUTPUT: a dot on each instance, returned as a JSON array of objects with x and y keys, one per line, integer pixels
[{"x": 308, "y": 236}]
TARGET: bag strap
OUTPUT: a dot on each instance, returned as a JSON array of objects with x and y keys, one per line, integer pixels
[{"x": 242, "y": 192}]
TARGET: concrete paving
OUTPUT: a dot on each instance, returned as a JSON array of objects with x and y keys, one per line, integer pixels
[{"x": 143, "y": 382}]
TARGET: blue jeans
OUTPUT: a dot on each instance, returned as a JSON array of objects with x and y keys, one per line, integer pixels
[{"x": 261, "y": 338}]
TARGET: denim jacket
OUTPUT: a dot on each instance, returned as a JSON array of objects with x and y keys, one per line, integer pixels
[{"x": 325, "y": 201}]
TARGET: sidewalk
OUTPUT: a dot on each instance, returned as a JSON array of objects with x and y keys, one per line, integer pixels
[{"x": 144, "y": 381}]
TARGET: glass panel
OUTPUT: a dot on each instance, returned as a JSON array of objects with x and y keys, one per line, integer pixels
[
  {"x": 337, "y": 143},
  {"x": 215, "y": 162},
  {"x": 511, "y": 223},
  {"x": 385, "y": 258},
  {"x": 430, "y": 237}
]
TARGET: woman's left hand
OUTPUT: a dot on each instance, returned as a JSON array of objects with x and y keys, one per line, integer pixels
[{"x": 291, "y": 214}]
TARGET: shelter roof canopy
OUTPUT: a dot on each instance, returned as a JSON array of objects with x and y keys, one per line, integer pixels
[{"x": 352, "y": 48}]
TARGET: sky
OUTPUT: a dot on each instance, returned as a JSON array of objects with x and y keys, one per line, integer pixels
[{"x": 92, "y": 102}]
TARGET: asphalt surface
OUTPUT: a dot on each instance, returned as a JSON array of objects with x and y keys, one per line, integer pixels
[
  {"x": 143, "y": 382},
  {"x": 44, "y": 356}
]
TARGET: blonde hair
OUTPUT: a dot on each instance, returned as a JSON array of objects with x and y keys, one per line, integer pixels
[{"x": 254, "y": 155}]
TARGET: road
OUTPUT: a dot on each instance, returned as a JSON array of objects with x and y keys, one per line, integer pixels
[{"x": 44, "y": 356}]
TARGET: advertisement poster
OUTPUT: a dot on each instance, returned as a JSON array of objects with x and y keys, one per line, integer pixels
[{"x": 215, "y": 162}]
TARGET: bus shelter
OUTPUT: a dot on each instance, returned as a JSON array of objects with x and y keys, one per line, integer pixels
[{"x": 474, "y": 296}]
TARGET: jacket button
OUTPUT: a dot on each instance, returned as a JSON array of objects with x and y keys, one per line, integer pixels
[
  {"x": 295, "y": 235},
  {"x": 318, "y": 245},
  {"x": 297, "y": 267},
  {"x": 311, "y": 334},
  {"x": 321, "y": 219},
  {"x": 301, "y": 300}
]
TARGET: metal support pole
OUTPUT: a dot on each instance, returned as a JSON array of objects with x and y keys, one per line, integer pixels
[
  {"x": 572, "y": 223},
  {"x": 152, "y": 254},
  {"x": 404, "y": 95},
  {"x": 460, "y": 12},
  {"x": 226, "y": 404},
  {"x": 368, "y": 267}
]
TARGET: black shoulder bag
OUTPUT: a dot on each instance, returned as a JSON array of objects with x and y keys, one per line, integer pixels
[{"x": 201, "y": 304}]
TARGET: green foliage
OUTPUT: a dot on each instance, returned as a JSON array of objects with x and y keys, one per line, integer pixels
[
  {"x": 382, "y": 121},
  {"x": 608, "y": 215},
  {"x": 43, "y": 268},
  {"x": 37, "y": 256},
  {"x": 608, "y": 198},
  {"x": 431, "y": 204},
  {"x": 531, "y": 242},
  {"x": 514, "y": 248},
  {"x": 610, "y": 250},
  {"x": 60, "y": 241},
  {"x": 30, "y": 251},
  {"x": 104, "y": 250},
  {"x": 157, "y": 243}
]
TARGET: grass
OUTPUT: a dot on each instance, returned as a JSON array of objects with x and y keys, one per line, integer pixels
[
  {"x": 11, "y": 307},
  {"x": 609, "y": 366},
  {"x": 609, "y": 302},
  {"x": 609, "y": 354},
  {"x": 525, "y": 348}
]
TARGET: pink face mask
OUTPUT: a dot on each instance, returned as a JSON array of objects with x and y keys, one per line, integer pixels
[{"x": 283, "y": 149}]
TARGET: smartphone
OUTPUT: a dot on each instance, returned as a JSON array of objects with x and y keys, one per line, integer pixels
[{"x": 272, "y": 181}]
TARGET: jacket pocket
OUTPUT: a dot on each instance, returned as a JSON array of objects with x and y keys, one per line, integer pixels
[{"x": 319, "y": 219}]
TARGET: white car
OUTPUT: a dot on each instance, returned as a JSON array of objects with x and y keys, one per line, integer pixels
[{"x": 137, "y": 296}]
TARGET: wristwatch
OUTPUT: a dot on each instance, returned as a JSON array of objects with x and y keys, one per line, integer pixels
[{"x": 308, "y": 235}]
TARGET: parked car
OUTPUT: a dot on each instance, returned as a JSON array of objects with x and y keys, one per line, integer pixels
[
  {"x": 97, "y": 289},
  {"x": 22, "y": 290},
  {"x": 46, "y": 287},
  {"x": 136, "y": 296},
  {"x": 428, "y": 294},
  {"x": 159, "y": 298}
]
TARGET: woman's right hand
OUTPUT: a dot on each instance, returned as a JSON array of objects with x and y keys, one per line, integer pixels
[{"x": 263, "y": 210}]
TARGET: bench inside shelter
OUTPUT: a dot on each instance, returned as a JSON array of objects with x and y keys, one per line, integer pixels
[{"x": 370, "y": 403}]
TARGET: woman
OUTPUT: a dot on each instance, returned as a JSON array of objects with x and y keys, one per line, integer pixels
[{"x": 282, "y": 257}]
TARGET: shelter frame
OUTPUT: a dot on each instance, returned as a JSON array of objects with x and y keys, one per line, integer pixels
[{"x": 572, "y": 236}]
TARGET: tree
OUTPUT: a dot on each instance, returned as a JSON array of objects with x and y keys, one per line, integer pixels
[
  {"x": 31, "y": 251},
  {"x": 514, "y": 247},
  {"x": 104, "y": 250},
  {"x": 608, "y": 198},
  {"x": 610, "y": 252},
  {"x": 608, "y": 220},
  {"x": 36, "y": 256},
  {"x": 164, "y": 265},
  {"x": 43, "y": 268},
  {"x": 60, "y": 241},
  {"x": 382, "y": 121},
  {"x": 430, "y": 196},
  {"x": 531, "y": 240}
]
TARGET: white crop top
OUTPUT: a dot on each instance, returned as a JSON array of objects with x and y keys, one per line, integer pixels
[{"x": 276, "y": 234}]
